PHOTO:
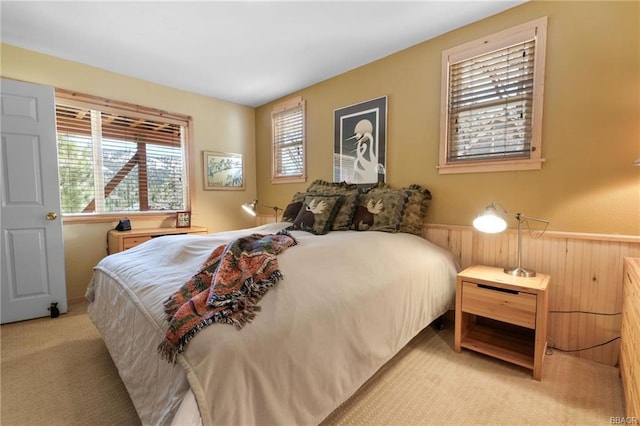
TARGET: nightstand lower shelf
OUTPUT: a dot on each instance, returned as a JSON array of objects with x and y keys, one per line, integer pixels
[{"x": 509, "y": 343}]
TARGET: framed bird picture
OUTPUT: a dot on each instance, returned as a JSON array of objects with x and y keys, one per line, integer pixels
[
  {"x": 223, "y": 171},
  {"x": 360, "y": 142}
]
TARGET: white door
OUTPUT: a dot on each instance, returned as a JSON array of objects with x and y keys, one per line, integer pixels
[{"x": 32, "y": 246}]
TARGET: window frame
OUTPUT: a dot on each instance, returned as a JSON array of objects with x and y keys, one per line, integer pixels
[
  {"x": 537, "y": 30},
  {"x": 277, "y": 109},
  {"x": 132, "y": 110}
]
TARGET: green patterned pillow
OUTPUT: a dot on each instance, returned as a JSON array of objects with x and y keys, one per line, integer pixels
[
  {"x": 415, "y": 210},
  {"x": 365, "y": 188},
  {"x": 379, "y": 210},
  {"x": 342, "y": 222},
  {"x": 320, "y": 186},
  {"x": 317, "y": 213}
]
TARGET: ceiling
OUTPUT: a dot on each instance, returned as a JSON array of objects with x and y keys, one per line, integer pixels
[{"x": 246, "y": 52}]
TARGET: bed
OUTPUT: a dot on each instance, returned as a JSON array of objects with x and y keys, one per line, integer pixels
[{"x": 348, "y": 302}]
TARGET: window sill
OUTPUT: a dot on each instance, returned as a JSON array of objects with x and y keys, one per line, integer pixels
[
  {"x": 107, "y": 218},
  {"x": 293, "y": 179},
  {"x": 491, "y": 166}
]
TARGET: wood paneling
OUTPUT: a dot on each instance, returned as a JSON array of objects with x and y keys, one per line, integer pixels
[{"x": 586, "y": 278}]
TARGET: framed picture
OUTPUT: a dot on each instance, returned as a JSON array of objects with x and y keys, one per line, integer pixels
[
  {"x": 360, "y": 142},
  {"x": 223, "y": 171},
  {"x": 183, "y": 219}
]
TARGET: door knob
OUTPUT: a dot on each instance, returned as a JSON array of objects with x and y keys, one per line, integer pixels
[{"x": 52, "y": 215}]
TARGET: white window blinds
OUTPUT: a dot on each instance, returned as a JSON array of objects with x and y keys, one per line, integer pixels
[
  {"x": 492, "y": 98},
  {"x": 114, "y": 161},
  {"x": 491, "y": 104},
  {"x": 289, "y": 141}
]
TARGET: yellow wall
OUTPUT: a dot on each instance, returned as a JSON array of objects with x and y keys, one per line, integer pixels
[
  {"x": 591, "y": 123},
  {"x": 217, "y": 126}
]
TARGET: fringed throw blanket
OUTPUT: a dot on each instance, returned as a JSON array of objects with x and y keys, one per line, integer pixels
[{"x": 226, "y": 289}]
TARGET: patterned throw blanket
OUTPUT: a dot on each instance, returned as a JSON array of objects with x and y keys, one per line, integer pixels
[{"x": 226, "y": 289}]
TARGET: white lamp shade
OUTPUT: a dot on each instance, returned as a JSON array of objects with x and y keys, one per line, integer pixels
[
  {"x": 250, "y": 207},
  {"x": 490, "y": 222}
]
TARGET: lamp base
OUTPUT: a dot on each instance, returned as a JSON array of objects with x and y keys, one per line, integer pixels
[{"x": 519, "y": 272}]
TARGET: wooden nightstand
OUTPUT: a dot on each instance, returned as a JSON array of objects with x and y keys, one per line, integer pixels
[
  {"x": 502, "y": 316},
  {"x": 122, "y": 240}
]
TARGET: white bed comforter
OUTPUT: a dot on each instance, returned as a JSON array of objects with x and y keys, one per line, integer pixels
[{"x": 348, "y": 303}]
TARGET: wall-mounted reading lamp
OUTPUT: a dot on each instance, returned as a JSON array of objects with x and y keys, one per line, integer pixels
[
  {"x": 491, "y": 221},
  {"x": 253, "y": 205}
]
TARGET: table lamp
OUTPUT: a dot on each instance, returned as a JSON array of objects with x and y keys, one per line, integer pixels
[
  {"x": 491, "y": 221},
  {"x": 252, "y": 206}
]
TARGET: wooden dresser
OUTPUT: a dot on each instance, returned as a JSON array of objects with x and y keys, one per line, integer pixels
[
  {"x": 630, "y": 338},
  {"x": 122, "y": 240}
]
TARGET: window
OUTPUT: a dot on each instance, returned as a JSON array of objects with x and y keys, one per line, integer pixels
[
  {"x": 115, "y": 158},
  {"x": 287, "y": 120},
  {"x": 492, "y": 91}
]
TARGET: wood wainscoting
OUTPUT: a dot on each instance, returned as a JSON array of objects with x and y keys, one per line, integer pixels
[{"x": 586, "y": 289}]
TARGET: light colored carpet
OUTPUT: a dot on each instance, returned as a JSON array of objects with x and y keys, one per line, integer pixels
[
  {"x": 58, "y": 372},
  {"x": 429, "y": 383}
]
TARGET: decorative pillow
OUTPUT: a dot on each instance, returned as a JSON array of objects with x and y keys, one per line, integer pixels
[
  {"x": 317, "y": 213},
  {"x": 293, "y": 208},
  {"x": 342, "y": 222},
  {"x": 415, "y": 210},
  {"x": 379, "y": 210},
  {"x": 291, "y": 211},
  {"x": 368, "y": 187},
  {"x": 320, "y": 186},
  {"x": 298, "y": 197}
]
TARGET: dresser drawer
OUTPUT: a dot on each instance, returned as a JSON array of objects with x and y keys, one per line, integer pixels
[
  {"x": 631, "y": 288},
  {"x": 630, "y": 338},
  {"x": 118, "y": 241},
  {"x": 127, "y": 243},
  {"x": 503, "y": 305}
]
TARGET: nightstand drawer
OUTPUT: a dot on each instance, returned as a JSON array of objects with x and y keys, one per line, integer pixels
[{"x": 503, "y": 305}]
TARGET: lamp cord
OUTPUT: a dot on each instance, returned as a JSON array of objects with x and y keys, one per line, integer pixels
[{"x": 553, "y": 344}]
